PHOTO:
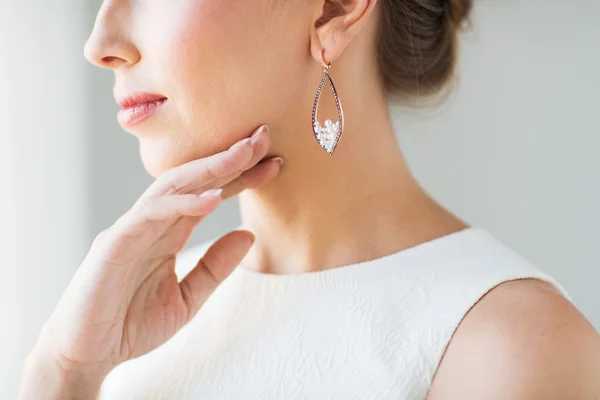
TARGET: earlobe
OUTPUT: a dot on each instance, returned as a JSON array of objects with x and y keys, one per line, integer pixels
[{"x": 330, "y": 42}]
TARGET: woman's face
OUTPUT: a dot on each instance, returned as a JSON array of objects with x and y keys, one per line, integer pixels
[{"x": 225, "y": 67}]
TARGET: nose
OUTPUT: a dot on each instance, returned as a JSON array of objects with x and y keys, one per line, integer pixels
[{"x": 109, "y": 45}]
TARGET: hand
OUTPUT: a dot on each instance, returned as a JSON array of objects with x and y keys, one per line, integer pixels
[{"x": 125, "y": 299}]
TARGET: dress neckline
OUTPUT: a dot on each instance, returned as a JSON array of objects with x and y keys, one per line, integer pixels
[{"x": 355, "y": 267}]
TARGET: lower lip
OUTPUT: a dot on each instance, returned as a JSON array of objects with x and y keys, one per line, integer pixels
[{"x": 131, "y": 116}]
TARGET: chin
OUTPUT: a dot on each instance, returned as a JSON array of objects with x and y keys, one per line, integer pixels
[
  {"x": 160, "y": 152},
  {"x": 159, "y": 158},
  {"x": 155, "y": 167}
]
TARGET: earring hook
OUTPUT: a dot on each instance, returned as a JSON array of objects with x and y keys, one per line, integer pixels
[{"x": 326, "y": 66}]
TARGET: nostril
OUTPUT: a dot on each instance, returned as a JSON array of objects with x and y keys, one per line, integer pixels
[
  {"x": 112, "y": 62},
  {"x": 109, "y": 60}
]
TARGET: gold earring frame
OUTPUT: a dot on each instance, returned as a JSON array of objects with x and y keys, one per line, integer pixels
[{"x": 329, "y": 135}]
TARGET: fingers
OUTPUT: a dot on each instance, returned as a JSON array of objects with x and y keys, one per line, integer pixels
[
  {"x": 261, "y": 142},
  {"x": 217, "y": 263},
  {"x": 197, "y": 174},
  {"x": 234, "y": 170},
  {"x": 253, "y": 178},
  {"x": 148, "y": 213},
  {"x": 172, "y": 206}
]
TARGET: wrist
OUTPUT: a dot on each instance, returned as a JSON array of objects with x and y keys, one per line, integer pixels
[{"x": 46, "y": 376}]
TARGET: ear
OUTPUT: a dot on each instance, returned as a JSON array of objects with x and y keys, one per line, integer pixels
[{"x": 338, "y": 23}]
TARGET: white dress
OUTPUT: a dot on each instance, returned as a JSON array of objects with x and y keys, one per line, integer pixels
[{"x": 374, "y": 330}]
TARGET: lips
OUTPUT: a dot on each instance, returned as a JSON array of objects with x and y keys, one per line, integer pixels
[{"x": 138, "y": 107}]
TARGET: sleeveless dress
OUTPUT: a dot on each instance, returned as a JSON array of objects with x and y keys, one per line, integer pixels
[{"x": 374, "y": 330}]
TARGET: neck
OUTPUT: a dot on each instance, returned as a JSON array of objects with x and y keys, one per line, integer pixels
[{"x": 326, "y": 211}]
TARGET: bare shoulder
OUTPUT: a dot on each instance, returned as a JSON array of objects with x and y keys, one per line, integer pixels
[{"x": 522, "y": 341}]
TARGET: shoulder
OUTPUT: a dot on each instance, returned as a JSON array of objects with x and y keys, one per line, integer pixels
[{"x": 523, "y": 340}]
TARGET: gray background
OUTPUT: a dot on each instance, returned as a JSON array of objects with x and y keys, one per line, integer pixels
[{"x": 514, "y": 150}]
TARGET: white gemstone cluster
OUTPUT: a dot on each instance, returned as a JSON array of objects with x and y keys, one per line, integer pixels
[{"x": 327, "y": 135}]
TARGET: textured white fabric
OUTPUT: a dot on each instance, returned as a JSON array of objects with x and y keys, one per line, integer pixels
[{"x": 374, "y": 330}]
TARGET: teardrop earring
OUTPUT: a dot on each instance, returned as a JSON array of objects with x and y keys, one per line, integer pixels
[{"x": 329, "y": 135}]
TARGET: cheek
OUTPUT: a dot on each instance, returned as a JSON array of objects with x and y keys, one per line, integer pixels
[
  {"x": 213, "y": 65},
  {"x": 227, "y": 68}
]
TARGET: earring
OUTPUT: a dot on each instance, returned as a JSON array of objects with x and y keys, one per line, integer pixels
[{"x": 329, "y": 135}]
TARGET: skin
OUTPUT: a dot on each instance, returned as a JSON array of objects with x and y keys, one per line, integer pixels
[
  {"x": 125, "y": 299},
  {"x": 522, "y": 340},
  {"x": 227, "y": 67}
]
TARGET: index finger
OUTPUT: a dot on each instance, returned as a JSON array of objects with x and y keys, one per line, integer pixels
[{"x": 187, "y": 177}]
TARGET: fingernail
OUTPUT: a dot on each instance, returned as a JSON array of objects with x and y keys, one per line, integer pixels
[
  {"x": 263, "y": 128},
  {"x": 279, "y": 160},
  {"x": 212, "y": 192}
]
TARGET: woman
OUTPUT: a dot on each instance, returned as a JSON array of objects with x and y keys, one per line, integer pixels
[{"x": 345, "y": 280}]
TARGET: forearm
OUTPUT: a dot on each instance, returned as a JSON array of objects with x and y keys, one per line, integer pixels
[{"x": 44, "y": 378}]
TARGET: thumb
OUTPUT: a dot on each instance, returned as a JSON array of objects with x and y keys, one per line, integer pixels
[{"x": 218, "y": 262}]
